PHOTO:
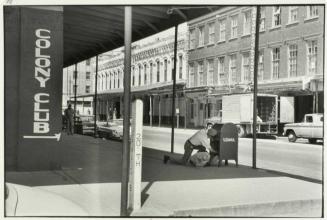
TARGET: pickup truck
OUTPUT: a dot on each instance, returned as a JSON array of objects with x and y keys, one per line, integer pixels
[{"x": 310, "y": 128}]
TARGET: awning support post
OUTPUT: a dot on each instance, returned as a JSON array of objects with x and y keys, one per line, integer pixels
[
  {"x": 95, "y": 95},
  {"x": 127, "y": 112},
  {"x": 174, "y": 93}
]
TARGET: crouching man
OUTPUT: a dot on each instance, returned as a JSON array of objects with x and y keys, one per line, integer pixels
[{"x": 199, "y": 141}]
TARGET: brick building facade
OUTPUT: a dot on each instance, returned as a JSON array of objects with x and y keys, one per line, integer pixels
[{"x": 290, "y": 59}]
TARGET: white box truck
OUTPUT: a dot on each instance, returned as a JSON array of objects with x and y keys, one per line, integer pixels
[{"x": 238, "y": 109}]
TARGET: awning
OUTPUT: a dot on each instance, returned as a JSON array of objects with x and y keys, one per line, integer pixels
[{"x": 92, "y": 30}]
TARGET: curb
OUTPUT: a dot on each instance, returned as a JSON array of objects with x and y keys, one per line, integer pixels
[{"x": 296, "y": 208}]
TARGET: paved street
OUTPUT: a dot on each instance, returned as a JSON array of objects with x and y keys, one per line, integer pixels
[{"x": 300, "y": 158}]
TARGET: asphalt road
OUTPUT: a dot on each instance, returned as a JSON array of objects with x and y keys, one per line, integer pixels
[{"x": 299, "y": 158}]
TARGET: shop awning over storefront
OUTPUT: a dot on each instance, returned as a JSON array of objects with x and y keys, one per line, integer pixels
[{"x": 91, "y": 30}]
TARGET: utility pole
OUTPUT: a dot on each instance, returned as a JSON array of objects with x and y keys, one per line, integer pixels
[{"x": 255, "y": 82}]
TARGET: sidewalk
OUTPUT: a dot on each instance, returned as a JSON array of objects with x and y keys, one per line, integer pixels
[{"x": 91, "y": 175}]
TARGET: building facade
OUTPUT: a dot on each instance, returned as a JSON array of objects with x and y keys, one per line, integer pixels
[
  {"x": 84, "y": 79},
  {"x": 151, "y": 80},
  {"x": 290, "y": 57}
]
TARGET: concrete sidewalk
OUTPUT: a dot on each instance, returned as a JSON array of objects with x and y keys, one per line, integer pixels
[{"x": 90, "y": 176}]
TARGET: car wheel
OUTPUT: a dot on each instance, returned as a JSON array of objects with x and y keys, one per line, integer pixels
[
  {"x": 312, "y": 140},
  {"x": 291, "y": 136},
  {"x": 241, "y": 131}
]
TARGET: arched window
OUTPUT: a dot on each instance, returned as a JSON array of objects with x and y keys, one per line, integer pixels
[
  {"x": 102, "y": 82},
  {"x": 165, "y": 69},
  {"x": 110, "y": 81},
  {"x": 114, "y": 79},
  {"x": 118, "y": 76},
  {"x": 158, "y": 71},
  {"x": 180, "y": 65},
  {"x": 145, "y": 74},
  {"x": 140, "y": 79},
  {"x": 151, "y": 72},
  {"x": 133, "y": 76},
  {"x": 107, "y": 80}
]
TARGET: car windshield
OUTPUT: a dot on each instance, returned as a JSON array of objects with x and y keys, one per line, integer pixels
[{"x": 86, "y": 118}]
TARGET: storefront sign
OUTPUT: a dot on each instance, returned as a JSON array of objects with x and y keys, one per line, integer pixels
[{"x": 40, "y": 75}]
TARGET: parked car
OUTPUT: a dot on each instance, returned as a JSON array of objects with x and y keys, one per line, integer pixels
[
  {"x": 30, "y": 201},
  {"x": 84, "y": 124},
  {"x": 310, "y": 128},
  {"x": 113, "y": 129}
]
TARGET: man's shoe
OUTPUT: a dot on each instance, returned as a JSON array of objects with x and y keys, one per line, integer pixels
[{"x": 166, "y": 158}]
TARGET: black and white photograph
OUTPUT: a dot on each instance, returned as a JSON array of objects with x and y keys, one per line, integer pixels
[{"x": 179, "y": 110}]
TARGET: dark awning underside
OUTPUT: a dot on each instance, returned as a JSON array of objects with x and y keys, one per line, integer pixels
[{"x": 91, "y": 30}]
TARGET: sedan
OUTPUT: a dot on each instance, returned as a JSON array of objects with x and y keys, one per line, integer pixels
[{"x": 113, "y": 129}]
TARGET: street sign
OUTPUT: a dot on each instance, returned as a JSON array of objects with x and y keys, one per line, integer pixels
[{"x": 135, "y": 175}]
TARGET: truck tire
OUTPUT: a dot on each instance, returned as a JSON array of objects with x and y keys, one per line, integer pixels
[
  {"x": 291, "y": 136},
  {"x": 312, "y": 140},
  {"x": 241, "y": 131}
]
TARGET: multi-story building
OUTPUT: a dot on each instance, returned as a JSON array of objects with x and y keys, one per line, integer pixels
[
  {"x": 84, "y": 90},
  {"x": 290, "y": 57},
  {"x": 151, "y": 79}
]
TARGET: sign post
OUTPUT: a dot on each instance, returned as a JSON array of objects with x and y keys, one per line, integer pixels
[{"x": 135, "y": 175}]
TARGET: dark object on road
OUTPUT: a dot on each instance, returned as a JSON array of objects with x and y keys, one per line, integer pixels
[{"x": 225, "y": 143}]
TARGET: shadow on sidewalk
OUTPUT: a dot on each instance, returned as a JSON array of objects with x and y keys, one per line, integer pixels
[{"x": 84, "y": 160}]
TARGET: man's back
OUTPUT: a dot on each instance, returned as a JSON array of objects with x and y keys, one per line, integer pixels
[
  {"x": 200, "y": 138},
  {"x": 69, "y": 113}
]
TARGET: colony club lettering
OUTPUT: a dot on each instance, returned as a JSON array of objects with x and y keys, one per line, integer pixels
[{"x": 42, "y": 75}]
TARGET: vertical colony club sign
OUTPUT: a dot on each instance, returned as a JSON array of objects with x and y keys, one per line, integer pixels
[
  {"x": 39, "y": 100},
  {"x": 42, "y": 74}
]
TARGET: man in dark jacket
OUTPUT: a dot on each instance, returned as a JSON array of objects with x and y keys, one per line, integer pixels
[{"x": 69, "y": 114}]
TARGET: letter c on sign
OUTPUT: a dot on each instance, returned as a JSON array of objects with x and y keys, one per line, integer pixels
[
  {"x": 39, "y": 34},
  {"x": 37, "y": 97}
]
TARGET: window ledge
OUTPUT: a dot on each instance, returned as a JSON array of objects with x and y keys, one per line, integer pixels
[
  {"x": 292, "y": 23},
  {"x": 246, "y": 35},
  {"x": 261, "y": 31},
  {"x": 311, "y": 18},
  {"x": 232, "y": 39},
  {"x": 275, "y": 28},
  {"x": 200, "y": 46},
  {"x": 221, "y": 41},
  {"x": 210, "y": 44}
]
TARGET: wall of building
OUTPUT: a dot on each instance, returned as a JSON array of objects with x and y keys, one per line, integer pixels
[{"x": 299, "y": 32}]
